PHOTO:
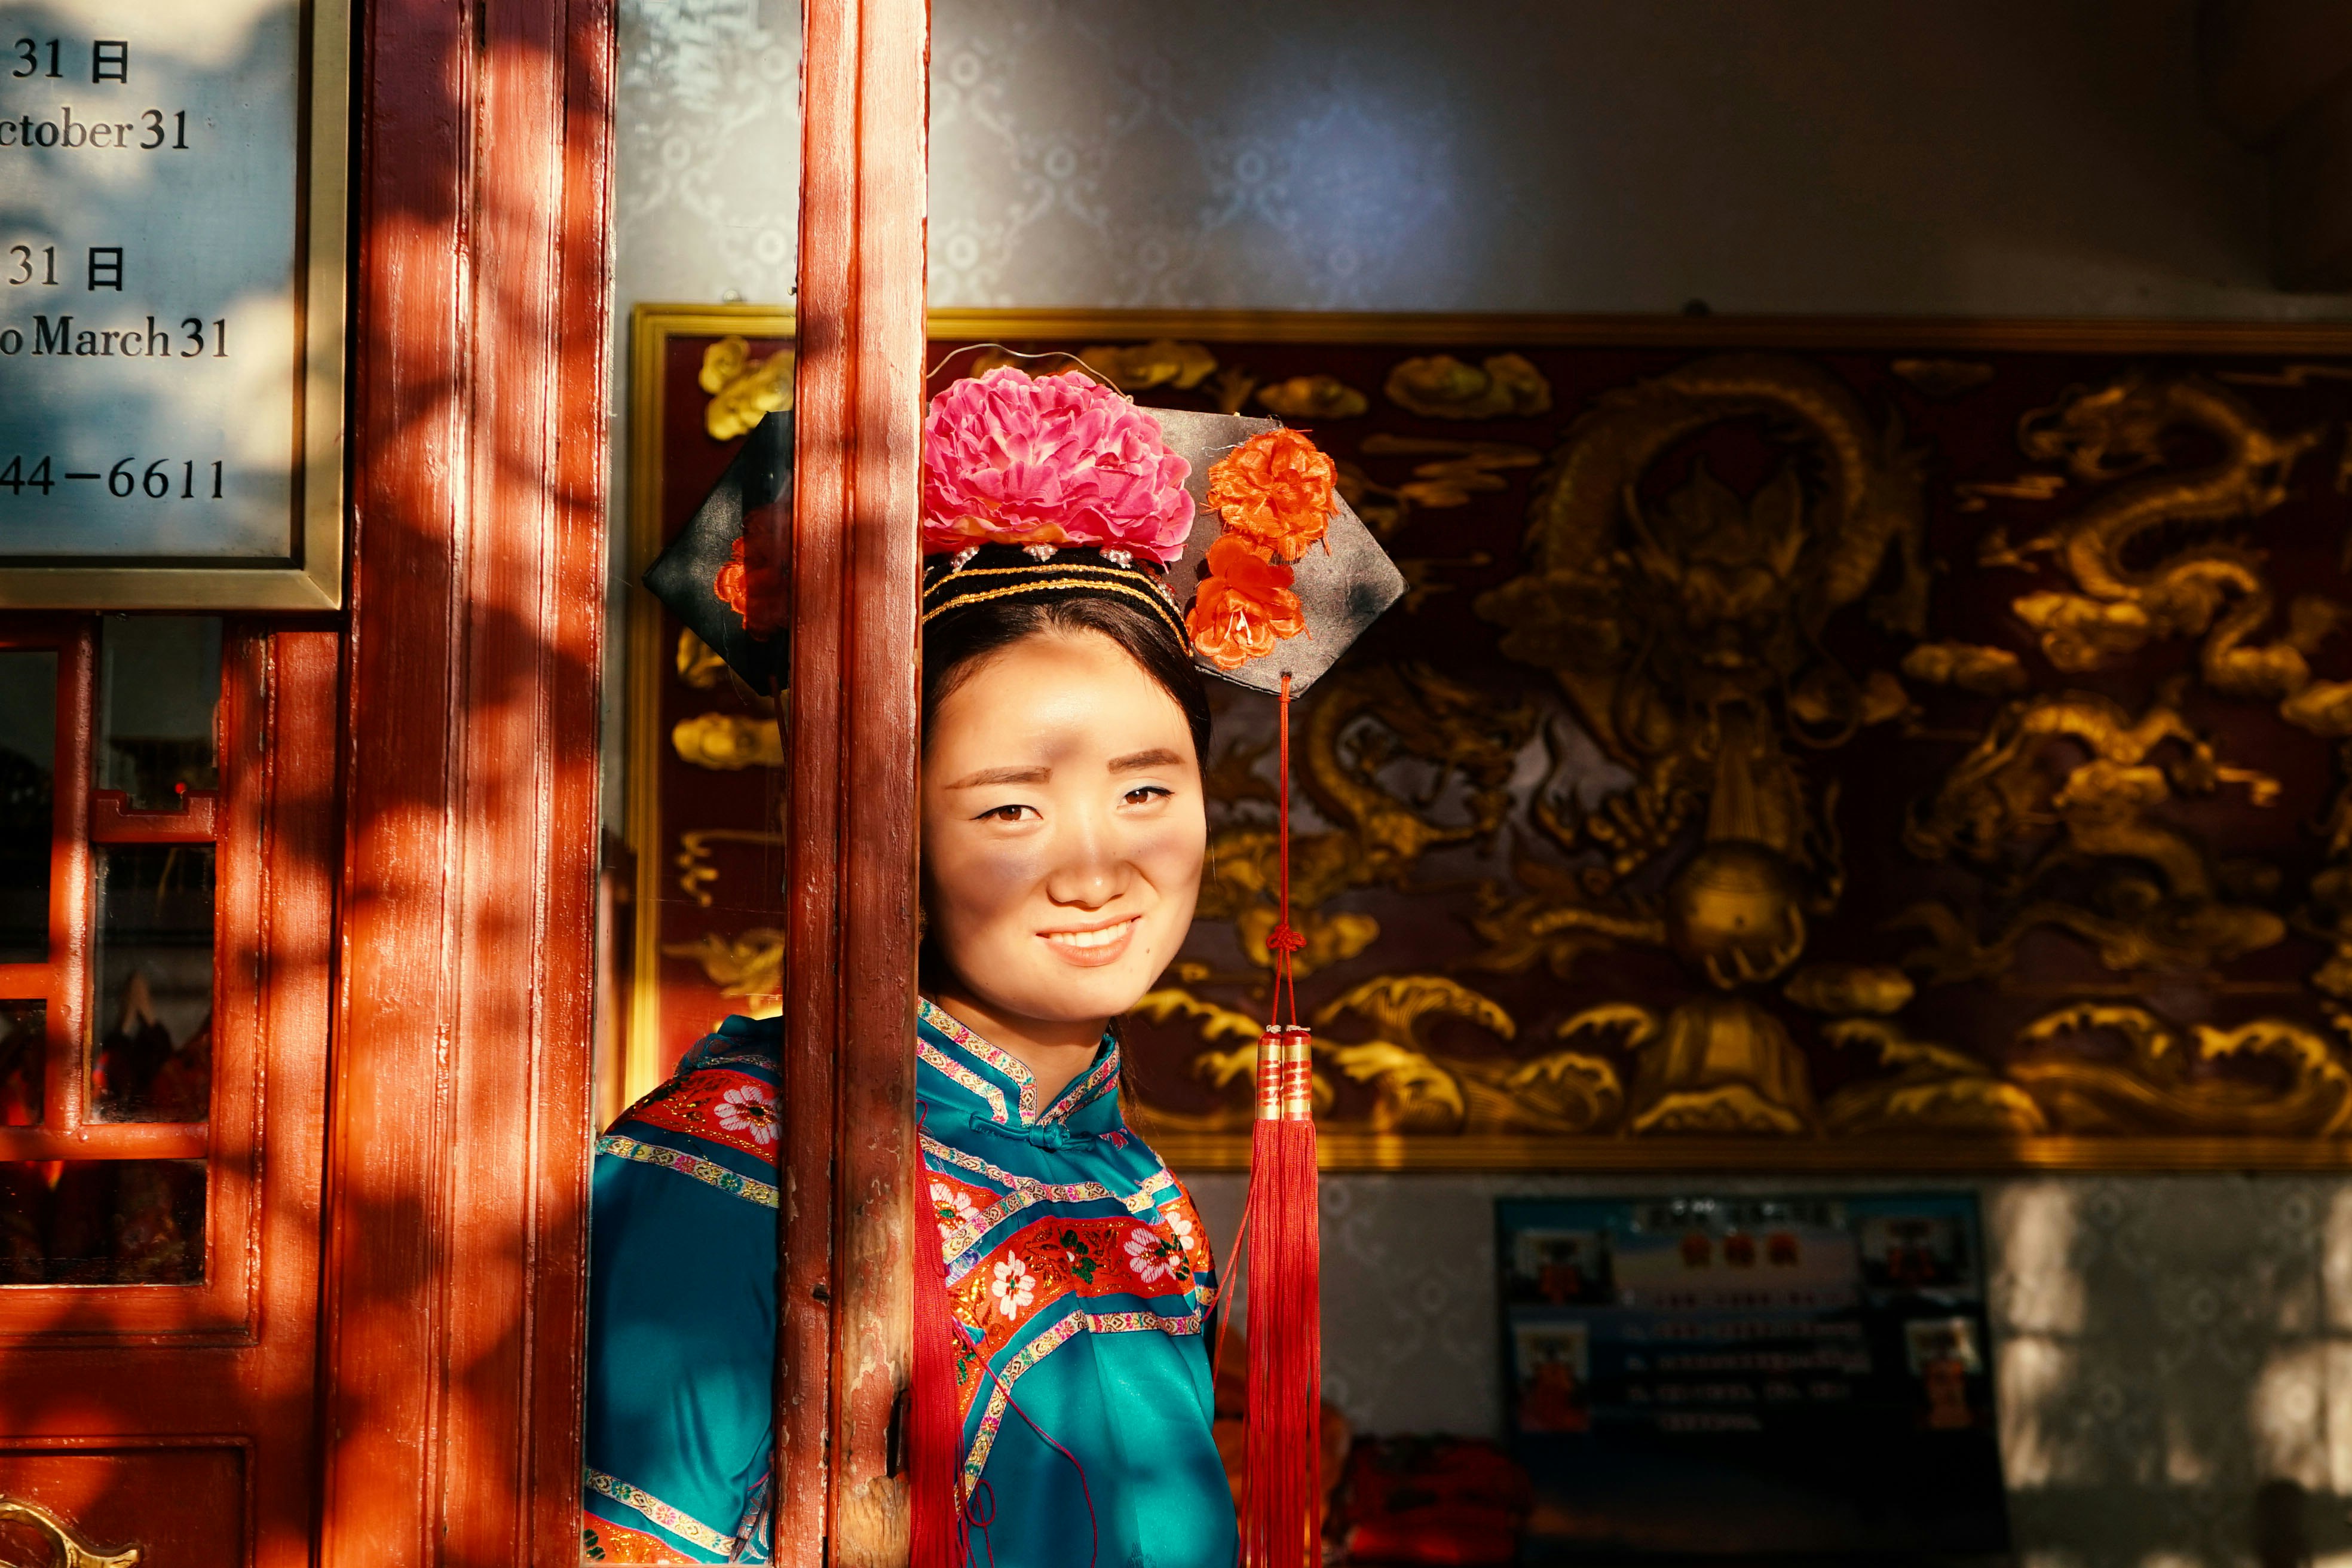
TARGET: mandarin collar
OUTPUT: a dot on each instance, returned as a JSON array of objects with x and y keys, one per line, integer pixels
[{"x": 994, "y": 1085}]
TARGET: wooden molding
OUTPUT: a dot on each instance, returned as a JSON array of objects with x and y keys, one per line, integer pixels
[
  {"x": 850, "y": 895},
  {"x": 455, "y": 1224}
]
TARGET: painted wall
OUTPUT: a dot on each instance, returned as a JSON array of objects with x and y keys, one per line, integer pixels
[
  {"x": 1993, "y": 157},
  {"x": 2164, "y": 1344}
]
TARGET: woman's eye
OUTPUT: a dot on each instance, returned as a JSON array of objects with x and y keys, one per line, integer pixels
[
  {"x": 1144, "y": 794},
  {"x": 1008, "y": 814}
]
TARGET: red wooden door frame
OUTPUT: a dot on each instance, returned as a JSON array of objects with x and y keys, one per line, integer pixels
[
  {"x": 458, "y": 1147},
  {"x": 459, "y": 1142},
  {"x": 850, "y": 896}
]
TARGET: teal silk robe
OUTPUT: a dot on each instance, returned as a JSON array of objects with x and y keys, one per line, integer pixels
[{"x": 1075, "y": 1266}]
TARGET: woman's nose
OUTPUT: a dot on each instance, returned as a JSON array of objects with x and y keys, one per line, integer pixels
[{"x": 1090, "y": 871}]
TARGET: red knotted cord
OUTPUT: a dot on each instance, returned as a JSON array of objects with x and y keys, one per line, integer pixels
[{"x": 1282, "y": 1506}]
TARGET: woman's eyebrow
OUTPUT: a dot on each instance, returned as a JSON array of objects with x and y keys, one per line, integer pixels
[
  {"x": 1032, "y": 774},
  {"x": 1161, "y": 758}
]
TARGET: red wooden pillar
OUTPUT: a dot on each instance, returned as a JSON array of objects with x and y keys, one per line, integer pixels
[
  {"x": 850, "y": 896},
  {"x": 455, "y": 1230}
]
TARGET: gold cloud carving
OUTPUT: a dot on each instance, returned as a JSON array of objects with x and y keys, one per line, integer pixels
[
  {"x": 1459, "y": 470},
  {"x": 1850, "y": 988},
  {"x": 1933, "y": 1089},
  {"x": 726, "y": 742},
  {"x": 750, "y": 964},
  {"x": 1163, "y": 361},
  {"x": 1417, "y": 1091},
  {"x": 1943, "y": 378},
  {"x": 698, "y": 664},
  {"x": 743, "y": 391},
  {"x": 1987, "y": 671},
  {"x": 1439, "y": 386},
  {"x": 1313, "y": 397}
]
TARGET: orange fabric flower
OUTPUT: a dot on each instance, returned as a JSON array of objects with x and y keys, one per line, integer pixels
[
  {"x": 1276, "y": 490},
  {"x": 733, "y": 584},
  {"x": 1244, "y": 607}
]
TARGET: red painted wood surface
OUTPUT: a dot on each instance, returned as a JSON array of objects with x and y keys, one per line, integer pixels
[
  {"x": 456, "y": 1227},
  {"x": 113, "y": 819},
  {"x": 850, "y": 982},
  {"x": 180, "y": 1503},
  {"x": 121, "y": 1405}
]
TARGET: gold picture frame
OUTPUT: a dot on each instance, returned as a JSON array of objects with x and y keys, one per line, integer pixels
[{"x": 1193, "y": 1141}]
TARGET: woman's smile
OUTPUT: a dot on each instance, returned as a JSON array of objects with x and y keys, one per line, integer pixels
[{"x": 1093, "y": 946}]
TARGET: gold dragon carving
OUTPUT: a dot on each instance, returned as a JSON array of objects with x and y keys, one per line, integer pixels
[
  {"x": 1687, "y": 634},
  {"x": 1358, "y": 723},
  {"x": 2204, "y": 586},
  {"x": 1688, "y": 639}
]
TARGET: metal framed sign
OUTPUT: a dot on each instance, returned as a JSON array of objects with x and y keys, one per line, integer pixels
[{"x": 171, "y": 250}]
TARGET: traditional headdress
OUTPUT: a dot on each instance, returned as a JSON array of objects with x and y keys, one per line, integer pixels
[{"x": 1230, "y": 533}]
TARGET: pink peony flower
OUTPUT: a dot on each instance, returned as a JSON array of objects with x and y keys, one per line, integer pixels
[{"x": 1057, "y": 459}]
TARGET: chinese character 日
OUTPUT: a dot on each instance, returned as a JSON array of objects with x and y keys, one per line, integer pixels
[
  {"x": 109, "y": 60},
  {"x": 105, "y": 268}
]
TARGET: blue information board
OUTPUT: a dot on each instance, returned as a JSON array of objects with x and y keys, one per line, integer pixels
[{"x": 1692, "y": 1377}]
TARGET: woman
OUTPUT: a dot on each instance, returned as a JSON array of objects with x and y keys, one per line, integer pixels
[{"x": 1064, "y": 826}]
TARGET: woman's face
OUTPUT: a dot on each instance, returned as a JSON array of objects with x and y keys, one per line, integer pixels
[{"x": 1062, "y": 830}]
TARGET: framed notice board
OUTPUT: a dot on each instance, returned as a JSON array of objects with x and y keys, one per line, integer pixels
[
  {"x": 172, "y": 250},
  {"x": 1713, "y": 1376}
]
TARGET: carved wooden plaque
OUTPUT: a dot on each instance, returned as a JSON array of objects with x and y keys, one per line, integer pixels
[{"x": 1801, "y": 744}]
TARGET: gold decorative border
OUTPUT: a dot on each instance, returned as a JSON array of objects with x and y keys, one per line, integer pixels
[
  {"x": 1356, "y": 1148},
  {"x": 651, "y": 327},
  {"x": 1353, "y": 1149},
  {"x": 322, "y": 218}
]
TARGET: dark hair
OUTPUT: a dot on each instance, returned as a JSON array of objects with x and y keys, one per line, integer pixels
[{"x": 957, "y": 645}]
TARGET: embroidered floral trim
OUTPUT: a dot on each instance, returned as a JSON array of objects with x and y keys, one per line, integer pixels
[
  {"x": 602, "y": 1540},
  {"x": 749, "y": 1109},
  {"x": 1082, "y": 1093},
  {"x": 683, "y": 1526},
  {"x": 720, "y": 1106},
  {"x": 951, "y": 1205},
  {"x": 959, "y": 1236},
  {"x": 1055, "y": 1261},
  {"x": 1013, "y": 1288},
  {"x": 1154, "y": 1257},
  {"x": 685, "y": 1165},
  {"x": 1010, "y": 1066},
  {"x": 963, "y": 1076},
  {"x": 1136, "y": 1202},
  {"x": 747, "y": 1058}
]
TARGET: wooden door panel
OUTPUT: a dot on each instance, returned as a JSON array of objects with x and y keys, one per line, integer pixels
[
  {"x": 185, "y": 1506},
  {"x": 182, "y": 1418}
]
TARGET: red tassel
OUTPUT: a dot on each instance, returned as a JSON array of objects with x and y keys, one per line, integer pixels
[
  {"x": 937, "y": 1535},
  {"x": 1282, "y": 1514}
]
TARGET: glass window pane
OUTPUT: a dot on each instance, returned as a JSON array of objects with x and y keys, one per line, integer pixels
[
  {"x": 159, "y": 681},
  {"x": 29, "y": 744},
  {"x": 21, "y": 1060},
  {"x": 153, "y": 1022},
  {"x": 102, "y": 1222}
]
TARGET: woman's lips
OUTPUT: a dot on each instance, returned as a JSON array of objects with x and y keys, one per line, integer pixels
[{"x": 1093, "y": 949}]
